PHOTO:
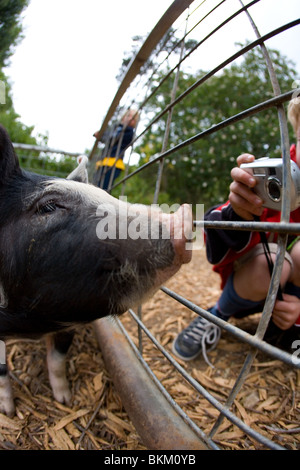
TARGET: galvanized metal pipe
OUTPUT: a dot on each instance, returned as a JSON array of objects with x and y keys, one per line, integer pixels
[
  {"x": 41, "y": 148},
  {"x": 212, "y": 130},
  {"x": 157, "y": 423},
  {"x": 166, "y": 21},
  {"x": 252, "y": 341},
  {"x": 219, "y": 406}
]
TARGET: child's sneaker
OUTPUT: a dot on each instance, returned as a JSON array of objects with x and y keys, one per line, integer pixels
[{"x": 200, "y": 336}]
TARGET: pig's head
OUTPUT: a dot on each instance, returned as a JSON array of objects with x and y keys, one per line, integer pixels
[{"x": 71, "y": 253}]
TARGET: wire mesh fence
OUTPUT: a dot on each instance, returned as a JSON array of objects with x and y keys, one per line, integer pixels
[{"x": 180, "y": 43}]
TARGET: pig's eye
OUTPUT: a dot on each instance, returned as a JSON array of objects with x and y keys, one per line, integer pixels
[{"x": 49, "y": 206}]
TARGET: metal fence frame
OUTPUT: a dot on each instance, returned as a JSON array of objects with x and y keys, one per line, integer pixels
[
  {"x": 31, "y": 152},
  {"x": 112, "y": 334}
]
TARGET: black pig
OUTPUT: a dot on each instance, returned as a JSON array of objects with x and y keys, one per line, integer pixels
[{"x": 71, "y": 253}]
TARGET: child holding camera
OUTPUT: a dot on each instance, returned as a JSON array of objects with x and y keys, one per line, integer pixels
[{"x": 239, "y": 258}]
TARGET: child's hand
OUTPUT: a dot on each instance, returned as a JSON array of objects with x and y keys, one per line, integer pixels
[
  {"x": 243, "y": 200},
  {"x": 286, "y": 311}
]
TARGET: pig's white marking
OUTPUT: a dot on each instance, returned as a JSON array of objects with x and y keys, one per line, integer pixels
[
  {"x": 57, "y": 375},
  {"x": 134, "y": 220},
  {"x": 90, "y": 194}
]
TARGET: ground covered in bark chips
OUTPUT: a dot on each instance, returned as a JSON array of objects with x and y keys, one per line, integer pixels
[{"x": 269, "y": 401}]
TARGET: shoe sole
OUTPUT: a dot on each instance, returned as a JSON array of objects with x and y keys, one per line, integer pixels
[{"x": 184, "y": 358}]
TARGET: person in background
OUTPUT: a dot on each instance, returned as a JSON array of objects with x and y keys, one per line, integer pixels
[
  {"x": 239, "y": 258},
  {"x": 110, "y": 165}
]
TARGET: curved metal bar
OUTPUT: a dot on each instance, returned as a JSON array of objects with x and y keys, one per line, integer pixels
[
  {"x": 282, "y": 239},
  {"x": 237, "y": 332},
  {"x": 219, "y": 406},
  {"x": 173, "y": 12},
  {"x": 196, "y": 46},
  {"x": 158, "y": 423},
  {"x": 257, "y": 42},
  {"x": 277, "y": 100}
]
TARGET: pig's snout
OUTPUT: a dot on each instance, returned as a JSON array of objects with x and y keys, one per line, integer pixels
[{"x": 181, "y": 227}]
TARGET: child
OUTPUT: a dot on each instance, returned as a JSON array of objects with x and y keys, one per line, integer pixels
[
  {"x": 110, "y": 165},
  {"x": 240, "y": 260}
]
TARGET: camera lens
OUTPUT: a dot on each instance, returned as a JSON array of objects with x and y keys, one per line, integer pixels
[{"x": 274, "y": 189}]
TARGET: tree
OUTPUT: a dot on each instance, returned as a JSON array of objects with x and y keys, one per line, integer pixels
[
  {"x": 200, "y": 173},
  {"x": 10, "y": 27},
  {"x": 170, "y": 43}
]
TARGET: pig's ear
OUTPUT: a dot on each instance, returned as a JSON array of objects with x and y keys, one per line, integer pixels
[
  {"x": 80, "y": 173},
  {"x": 9, "y": 162}
]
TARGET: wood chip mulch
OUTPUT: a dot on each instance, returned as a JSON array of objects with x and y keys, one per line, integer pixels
[
  {"x": 269, "y": 401},
  {"x": 96, "y": 419}
]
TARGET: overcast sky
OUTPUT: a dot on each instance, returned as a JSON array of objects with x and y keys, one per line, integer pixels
[{"x": 63, "y": 72}]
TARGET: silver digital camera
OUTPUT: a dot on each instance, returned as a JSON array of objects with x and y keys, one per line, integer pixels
[{"x": 268, "y": 174}]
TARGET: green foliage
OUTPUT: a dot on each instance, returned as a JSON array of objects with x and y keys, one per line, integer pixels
[
  {"x": 10, "y": 27},
  {"x": 47, "y": 164},
  {"x": 140, "y": 188},
  {"x": 200, "y": 172}
]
